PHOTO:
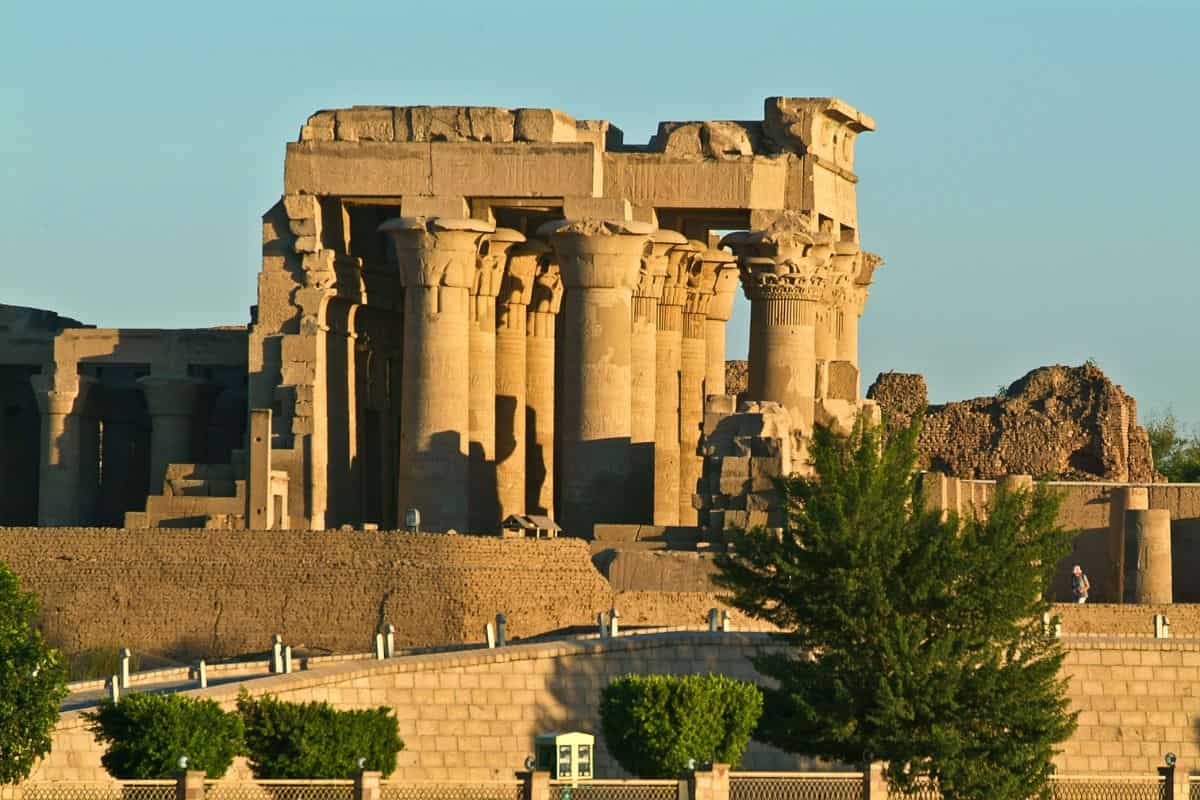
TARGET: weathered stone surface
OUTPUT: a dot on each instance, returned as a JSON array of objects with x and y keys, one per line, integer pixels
[{"x": 1070, "y": 423}]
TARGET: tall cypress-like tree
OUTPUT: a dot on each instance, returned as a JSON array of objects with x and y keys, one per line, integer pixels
[{"x": 913, "y": 640}]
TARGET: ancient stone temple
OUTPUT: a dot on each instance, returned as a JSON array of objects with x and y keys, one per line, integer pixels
[{"x": 475, "y": 312}]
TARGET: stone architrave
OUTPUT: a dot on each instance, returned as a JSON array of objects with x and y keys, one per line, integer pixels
[
  {"x": 599, "y": 260},
  {"x": 437, "y": 258},
  {"x": 171, "y": 401},
  {"x": 540, "y": 339},
  {"x": 668, "y": 355},
  {"x": 643, "y": 348},
  {"x": 516, "y": 291},
  {"x": 489, "y": 274},
  {"x": 724, "y": 276},
  {"x": 693, "y": 365}
]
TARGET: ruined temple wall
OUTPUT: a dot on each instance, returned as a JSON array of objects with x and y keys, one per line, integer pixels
[{"x": 209, "y": 593}]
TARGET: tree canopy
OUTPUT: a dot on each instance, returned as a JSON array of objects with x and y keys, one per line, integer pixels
[
  {"x": 32, "y": 682},
  {"x": 1176, "y": 453},
  {"x": 912, "y": 639}
]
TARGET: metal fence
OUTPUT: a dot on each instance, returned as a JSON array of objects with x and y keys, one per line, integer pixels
[
  {"x": 616, "y": 790},
  {"x": 280, "y": 790},
  {"x": 127, "y": 790},
  {"x": 500, "y": 790},
  {"x": 796, "y": 786},
  {"x": 1088, "y": 787}
]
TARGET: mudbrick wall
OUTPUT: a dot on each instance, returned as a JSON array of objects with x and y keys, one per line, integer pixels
[
  {"x": 188, "y": 593},
  {"x": 1065, "y": 423}
]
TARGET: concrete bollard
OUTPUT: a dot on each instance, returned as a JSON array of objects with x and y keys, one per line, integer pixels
[
  {"x": 613, "y": 625},
  {"x": 113, "y": 685},
  {"x": 501, "y": 622},
  {"x": 489, "y": 634},
  {"x": 287, "y": 660},
  {"x": 1162, "y": 627},
  {"x": 125, "y": 657},
  {"x": 202, "y": 674},
  {"x": 600, "y": 621},
  {"x": 276, "y": 654},
  {"x": 389, "y": 641},
  {"x": 726, "y": 622},
  {"x": 713, "y": 616},
  {"x": 379, "y": 656},
  {"x": 1150, "y": 530}
]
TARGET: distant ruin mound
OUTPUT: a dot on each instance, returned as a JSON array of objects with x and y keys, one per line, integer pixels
[{"x": 1069, "y": 423}]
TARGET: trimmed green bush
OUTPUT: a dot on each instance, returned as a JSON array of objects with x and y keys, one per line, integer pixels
[
  {"x": 147, "y": 733},
  {"x": 314, "y": 740},
  {"x": 654, "y": 724}
]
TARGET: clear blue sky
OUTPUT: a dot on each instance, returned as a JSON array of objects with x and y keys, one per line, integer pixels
[{"x": 1032, "y": 183}]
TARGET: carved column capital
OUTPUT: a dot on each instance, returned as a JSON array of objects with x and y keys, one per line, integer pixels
[
  {"x": 652, "y": 275},
  {"x": 492, "y": 260},
  {"x": 599, "y": 253},
  {"x": 721, "y": 270},
  {"x": 437, "y": 251}
]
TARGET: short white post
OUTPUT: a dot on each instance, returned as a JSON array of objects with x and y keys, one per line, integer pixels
[
  {"x": 125, "y": 655},
  {"x": 713, "y": 616},
  {"x": 1162, "y": 628},
  {"x": 489, "y": 634},
  {"x": 202, "y": 674},
  {"x": 501, "y": 622},
  {"x": 389, "y": 641},
  {"x": 726, "y": 627},
  {"x": 287, "y": 660},
  {"x": 113, "y": 685},
  {"x": 600, "y": 621},
  {"x": 1058, "y": 627},
  {"x": 379, "y": 647},
  {"x": 276, "y": 654},
  {"x": 613, "y": 626},
  {"x": 1046, "y": 624}
]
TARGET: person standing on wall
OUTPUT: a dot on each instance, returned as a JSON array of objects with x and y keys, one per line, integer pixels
[{"x": 1079, "y": 585}]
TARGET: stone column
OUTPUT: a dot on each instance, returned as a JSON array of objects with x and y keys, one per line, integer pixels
[
  {"x": 61, "y": 401},
  {"x": 493, "y": 256},
  {"x": 1121, "y": 499},
  {"x": 599, "y": 261},
  {"x": 693, "y": 364},
  {"x": 848, "y": 309},
  {"x": 516, "y": 290},
  {"x": 724, "y": 276},
  {"x": 437, "y": 258},
  {"x": 171, "y": 401},
  {"x": 785, "y": 286},
  {"x": 643, "y": 353},
  {"x": 544, "y": 305},
  {"x": 1150, "y": 530},
  {"x": 668, "y": 355}
]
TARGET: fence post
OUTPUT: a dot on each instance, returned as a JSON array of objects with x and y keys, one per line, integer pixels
[
  {"x": 379, "y": 656},
  {"x": 712, "y": 620},
  {"x": 287, "y": 660},
  {"x": 613, "y": 624},
  {"x": 125, "y": 656},
  {"x": 537, "y": 785},
  {"x": 725, "y": 627},
  {"x": 113, "y": 684},
  {"x": 603, "y": 627},
  {"x": 189, "y": 784},
  {"x": 501, "y": 622},
  {"x": 489, "y": 633},
  {"x": 366, "y": 784},
  {"x": 276, "y": 654},
  {"x": 1167, "y": 774},
  {"x": 389, "y": 640},
  {"x": 874, "y": 783},
  {"x": 709, "y": 784},
  {"x": 202, "y": 674}
]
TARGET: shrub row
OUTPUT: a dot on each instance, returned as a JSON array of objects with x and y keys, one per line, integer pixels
[{"x": 146, "y": 734}]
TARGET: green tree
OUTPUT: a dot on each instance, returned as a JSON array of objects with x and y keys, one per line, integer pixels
[
  {"x": 314, "y": 740},
  {"x": 911, "y": 639},
  {"x": 32, "y": 682},
  {"x": 146, "y": 734},
  {"x": 654, "y": 724},
  {"x": 1176, "y": 453}
]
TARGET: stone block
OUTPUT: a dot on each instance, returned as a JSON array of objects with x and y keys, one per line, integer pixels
[
  {"x": 544, "y": 125},
  {"x": 365, "y": 124},
  {"x": 430, "y": 206},
  {"x": 319, "y": 127},
  {"x": 301, "y": 206},
  {"x": 732, "y": 485},
  {"x": 652, "y": 179},
  {"x": 735, "y": 466},
  {"x": 359, "y": 169}
]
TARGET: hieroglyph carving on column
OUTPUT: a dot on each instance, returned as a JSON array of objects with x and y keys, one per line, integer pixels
[
  {"x": 693, "y": 365},
  {"x": 438, "y": 260},
  {"x": 489, "y": 273},
  {"x": 545, "y": 302},
  {"x": 599, "y": 260}
]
